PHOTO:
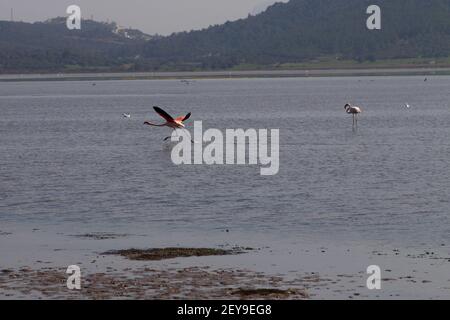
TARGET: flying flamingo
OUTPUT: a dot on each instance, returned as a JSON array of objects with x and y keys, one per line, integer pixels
[
  {"x": 176, "y": 123},
  {"x": 354, "y": 111}
]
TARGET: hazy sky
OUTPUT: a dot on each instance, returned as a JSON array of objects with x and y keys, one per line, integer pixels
[{"x": 151, "y": 16}]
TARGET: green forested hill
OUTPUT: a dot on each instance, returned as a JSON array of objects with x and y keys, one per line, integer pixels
[
  {"x": 50, "y": 47},
  {"x": 306, "y": 29},
  {"x": 295, "y": 32}
]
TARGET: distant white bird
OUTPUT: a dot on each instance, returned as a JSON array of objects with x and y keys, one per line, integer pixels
[
  {"x": 126, "y": 115},
  {"x": 407, "y": 106},
  {"x": 354, "y": 111}
]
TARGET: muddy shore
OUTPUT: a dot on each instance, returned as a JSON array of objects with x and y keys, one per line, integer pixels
[{"x": 111, "y": 269}]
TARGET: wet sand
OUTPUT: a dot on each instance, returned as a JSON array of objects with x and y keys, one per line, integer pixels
[
  {"x": 34, "y": 267},
  {"x": 147, "y": 283}
]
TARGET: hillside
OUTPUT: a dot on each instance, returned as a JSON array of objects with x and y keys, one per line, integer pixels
[
  {"x": 302, "y": 30},
  {"x": 50, "y": 47},
  {"x": 294, "y": 33}
]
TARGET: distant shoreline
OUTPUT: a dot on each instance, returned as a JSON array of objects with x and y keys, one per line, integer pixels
[{"x": 225, "y": 74}]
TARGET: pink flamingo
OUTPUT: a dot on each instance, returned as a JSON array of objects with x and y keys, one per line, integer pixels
[
  {"x": 354, "y": 111},
  {"x": 176, "y": 123}
]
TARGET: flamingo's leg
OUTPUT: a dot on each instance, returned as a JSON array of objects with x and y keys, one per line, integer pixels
[{"x": 167, "y": 138}]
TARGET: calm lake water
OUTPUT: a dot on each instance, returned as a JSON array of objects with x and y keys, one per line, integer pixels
[{"x": 70, "y": 161}]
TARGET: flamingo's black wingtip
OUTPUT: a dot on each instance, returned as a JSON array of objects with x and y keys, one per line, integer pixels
[{"x": 187, "y": 116}]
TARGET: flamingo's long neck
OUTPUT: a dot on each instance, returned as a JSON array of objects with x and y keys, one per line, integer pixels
[{"x": 155, "y": 125}]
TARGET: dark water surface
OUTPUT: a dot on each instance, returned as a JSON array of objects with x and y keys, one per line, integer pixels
[{"x": 68, "y": 160}]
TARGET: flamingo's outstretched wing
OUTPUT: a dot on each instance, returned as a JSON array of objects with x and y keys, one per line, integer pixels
[
  {"x": 183, "y": 118},
  {"x": 163, "y": 114}
]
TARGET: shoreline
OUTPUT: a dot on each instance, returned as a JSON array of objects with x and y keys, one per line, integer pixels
[
  {"x": 301, "y": 73},
  {"x": 35, "y": 268}
]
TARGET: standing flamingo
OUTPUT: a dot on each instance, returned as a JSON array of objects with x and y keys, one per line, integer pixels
[
  {"x": 354, "y": 111},
  {"x": 176, "y": 123}
]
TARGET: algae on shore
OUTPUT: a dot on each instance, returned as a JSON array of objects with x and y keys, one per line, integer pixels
[
  {"x": 270, "y": 293},
  {"x": 170, "y": 253}
]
